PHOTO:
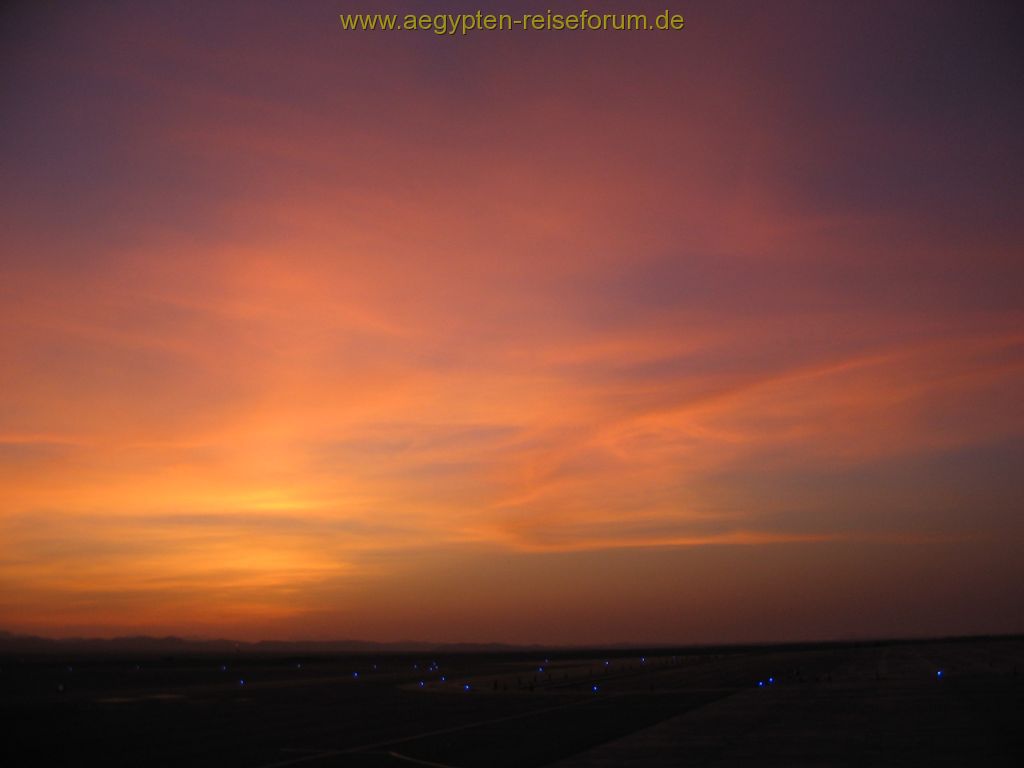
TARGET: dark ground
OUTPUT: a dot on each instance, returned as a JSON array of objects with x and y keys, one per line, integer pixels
[{"x": 842, "y": 704}]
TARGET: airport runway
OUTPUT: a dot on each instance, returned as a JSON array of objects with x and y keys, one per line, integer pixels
[{"x": 938, "y": 703}]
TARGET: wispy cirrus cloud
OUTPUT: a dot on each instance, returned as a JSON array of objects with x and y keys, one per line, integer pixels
[{"x": 306, "y": 334}]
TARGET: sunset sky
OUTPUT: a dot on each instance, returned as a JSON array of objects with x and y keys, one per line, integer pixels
[{"x": 560, "y": 337}]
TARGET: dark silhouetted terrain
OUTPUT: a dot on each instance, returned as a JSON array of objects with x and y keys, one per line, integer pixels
[{"x": 173, "y": 702}]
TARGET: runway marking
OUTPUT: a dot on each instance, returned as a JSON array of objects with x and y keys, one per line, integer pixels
[
  {"x": 427, "y": 734},
  {"x": 134, "y": 699},
  {"x": 417, "y": 761}
]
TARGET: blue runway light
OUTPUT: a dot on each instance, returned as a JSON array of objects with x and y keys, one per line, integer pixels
[
  {"x": 939, "y": 673},
  {"x": 355, "y": 674},
  {"x": 593, "y": 688},
  {"x": 760, "y": 683},
  {"x": 771, "y": 681},
  {"x": 466, "y": 687},
  {"x": 444, "y": 679},
  {"x": 241, "y": 682},
  {"x": 422, "y": 683},
  {"x": 540, "y": 669}
]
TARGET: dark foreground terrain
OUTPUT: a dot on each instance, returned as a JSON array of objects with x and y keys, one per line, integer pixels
[{"x": 923, "y": 703}]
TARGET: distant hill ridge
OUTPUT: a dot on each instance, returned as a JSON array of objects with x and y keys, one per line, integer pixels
[{"x": 144, "y": 644}]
